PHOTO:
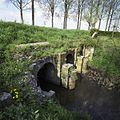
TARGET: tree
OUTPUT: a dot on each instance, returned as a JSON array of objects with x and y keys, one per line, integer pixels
[
  {"x": 33, "y": 12},
  {"x": 51, "y": 6},
  {"x": 67, "y": 6},
  {"x": 101, "y": 12},
  {"x": 80, "y": 7},
  {"x": 90, "y": 14},
  {"x": 115, "y": 7},
  {"x": 20, "y": 4},
  {"x": 109, "y": 5}
]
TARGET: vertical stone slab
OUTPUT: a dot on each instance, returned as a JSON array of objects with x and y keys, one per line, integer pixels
[
  {"x": 59, "y": 65},
  {"x": 79, "y": 63},
  {"x": 75, "y": 56},
  {"x": 91, "y": 53},
  {"x": 69, "y": 76}
]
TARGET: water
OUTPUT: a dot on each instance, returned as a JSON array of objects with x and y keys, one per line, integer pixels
[{"x": 89, "y": 97}]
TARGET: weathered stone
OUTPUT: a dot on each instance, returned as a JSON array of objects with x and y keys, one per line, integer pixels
[
  {"x": 5, "y": 99},
  {"x": 5, "y": 96},
  {"x": 48, "y": 94},
  {"x": 68, "y": 76}
]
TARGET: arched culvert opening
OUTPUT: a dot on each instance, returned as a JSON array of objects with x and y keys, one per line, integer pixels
[
  {"x": 70, "y": 58},
  {"x": 47, "y": 75}
]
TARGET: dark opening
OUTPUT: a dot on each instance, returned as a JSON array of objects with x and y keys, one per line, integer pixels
[
  {"x": 47, "y": 74},
  {"x": 81, "y": 50},
  {"x": 70, "y": 59}
]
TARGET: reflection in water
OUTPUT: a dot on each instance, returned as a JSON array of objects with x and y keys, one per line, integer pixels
[{"x": 89, "y": 97}]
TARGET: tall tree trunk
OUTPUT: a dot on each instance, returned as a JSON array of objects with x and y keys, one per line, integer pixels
[
  {"x": 108, "y": 17},
  {"x": 65, "y": 15},
  {"x": 101, "y": 15},
  {"x": 52, "y": 20},
  {"x": 118, "y": 21},
  {"x": 78, "y": 15},
  {"x": 33, "y": 15},
  {"x": 91, "y": 14},
  {"x": 99, "y": 24},
  {"x": 81, "y": 12},
  {"x": 89, "y": 26},
  {"x": 114, "y": 6},
  {"x": 110, "y": 20},
  {"x": 97, "y": 9},
  {"x": 52, "y": 12},
  {"x": 21, "y": 12}
]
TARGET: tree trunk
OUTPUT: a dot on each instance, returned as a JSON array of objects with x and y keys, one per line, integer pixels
[
  {"x": 33, "y": 16},
  {"x": 88, "y": 26},
  {"x": 21, "y": 12},
  {"x": 65, "y": 15},
  {"x": 78, "y": 21},
  {"x": 99, "y": 24},
  {"x": 52, "y": 20},
  {"x": 78, "y": 17},
  {"x": 108, "y": 17},
  {"x": 101, "y": 15},
  {"x": 91, "y": 14},
  {"x": 114, "y": 6},
  {"x": 110, "y": 20},
  {"x": 52, "y": 12},
  {"x": 81, "y": 12},
  {"x": 118, "y": 21}
]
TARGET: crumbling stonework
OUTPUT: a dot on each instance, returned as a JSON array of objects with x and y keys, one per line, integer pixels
[{"x": 63, "y": 62}]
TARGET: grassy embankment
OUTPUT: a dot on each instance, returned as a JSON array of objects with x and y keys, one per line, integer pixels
[
  {"x": 106, "y": 57},
  {"x": 12, "y": 70}
]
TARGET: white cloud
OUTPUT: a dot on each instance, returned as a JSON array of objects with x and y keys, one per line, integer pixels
[{"x": 2, "y": 2}]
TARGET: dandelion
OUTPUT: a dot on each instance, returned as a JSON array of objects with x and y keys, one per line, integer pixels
[{"x": 15, "y": 94}]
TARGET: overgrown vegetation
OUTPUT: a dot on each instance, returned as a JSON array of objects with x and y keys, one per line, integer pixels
[
  {"x": 15, "y": 61},
  {"x": 106, "y": 58}
]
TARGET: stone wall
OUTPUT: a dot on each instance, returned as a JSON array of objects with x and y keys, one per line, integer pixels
[{"x": 81, "y": 56}]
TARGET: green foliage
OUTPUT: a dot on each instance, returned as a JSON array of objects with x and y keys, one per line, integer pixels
[
  {"x": 15, "y": 62},
  {"x": 109, "y": 34},
  {"x": 105, "y": 33},
  {"x": 93, "y": 30},
  {"x": 106, "y": 56},
  {"x": 35, "y": 111},
  {"x": 17, "y": 34}
]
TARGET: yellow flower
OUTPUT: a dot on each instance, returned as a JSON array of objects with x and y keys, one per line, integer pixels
[
  {"x": 16, "y": 96},
  {"x": 16, "y": 93},
  {"x": 15, "y": 89}
]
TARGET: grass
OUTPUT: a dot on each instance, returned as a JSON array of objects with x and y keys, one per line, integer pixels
[{"x": 12, "y": 69}]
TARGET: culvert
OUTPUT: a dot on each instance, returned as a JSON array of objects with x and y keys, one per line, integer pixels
[{"x": 47, "y": 74}]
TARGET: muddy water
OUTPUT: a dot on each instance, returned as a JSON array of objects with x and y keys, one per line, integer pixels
[{"x": 89, "y": 97}]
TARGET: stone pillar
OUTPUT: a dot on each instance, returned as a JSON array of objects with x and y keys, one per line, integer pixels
[
  {"x": 68, "y": 76},
  {"x": 91, "y": 53},
  {"x": 79, "y": 63},
  {"x": 59, "y": 66}
]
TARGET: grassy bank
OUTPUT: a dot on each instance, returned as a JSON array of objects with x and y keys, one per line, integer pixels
[{"x": 12, "y": 69}]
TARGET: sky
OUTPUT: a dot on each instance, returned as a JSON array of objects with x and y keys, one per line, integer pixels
[{"x": 8, "y": 12}]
